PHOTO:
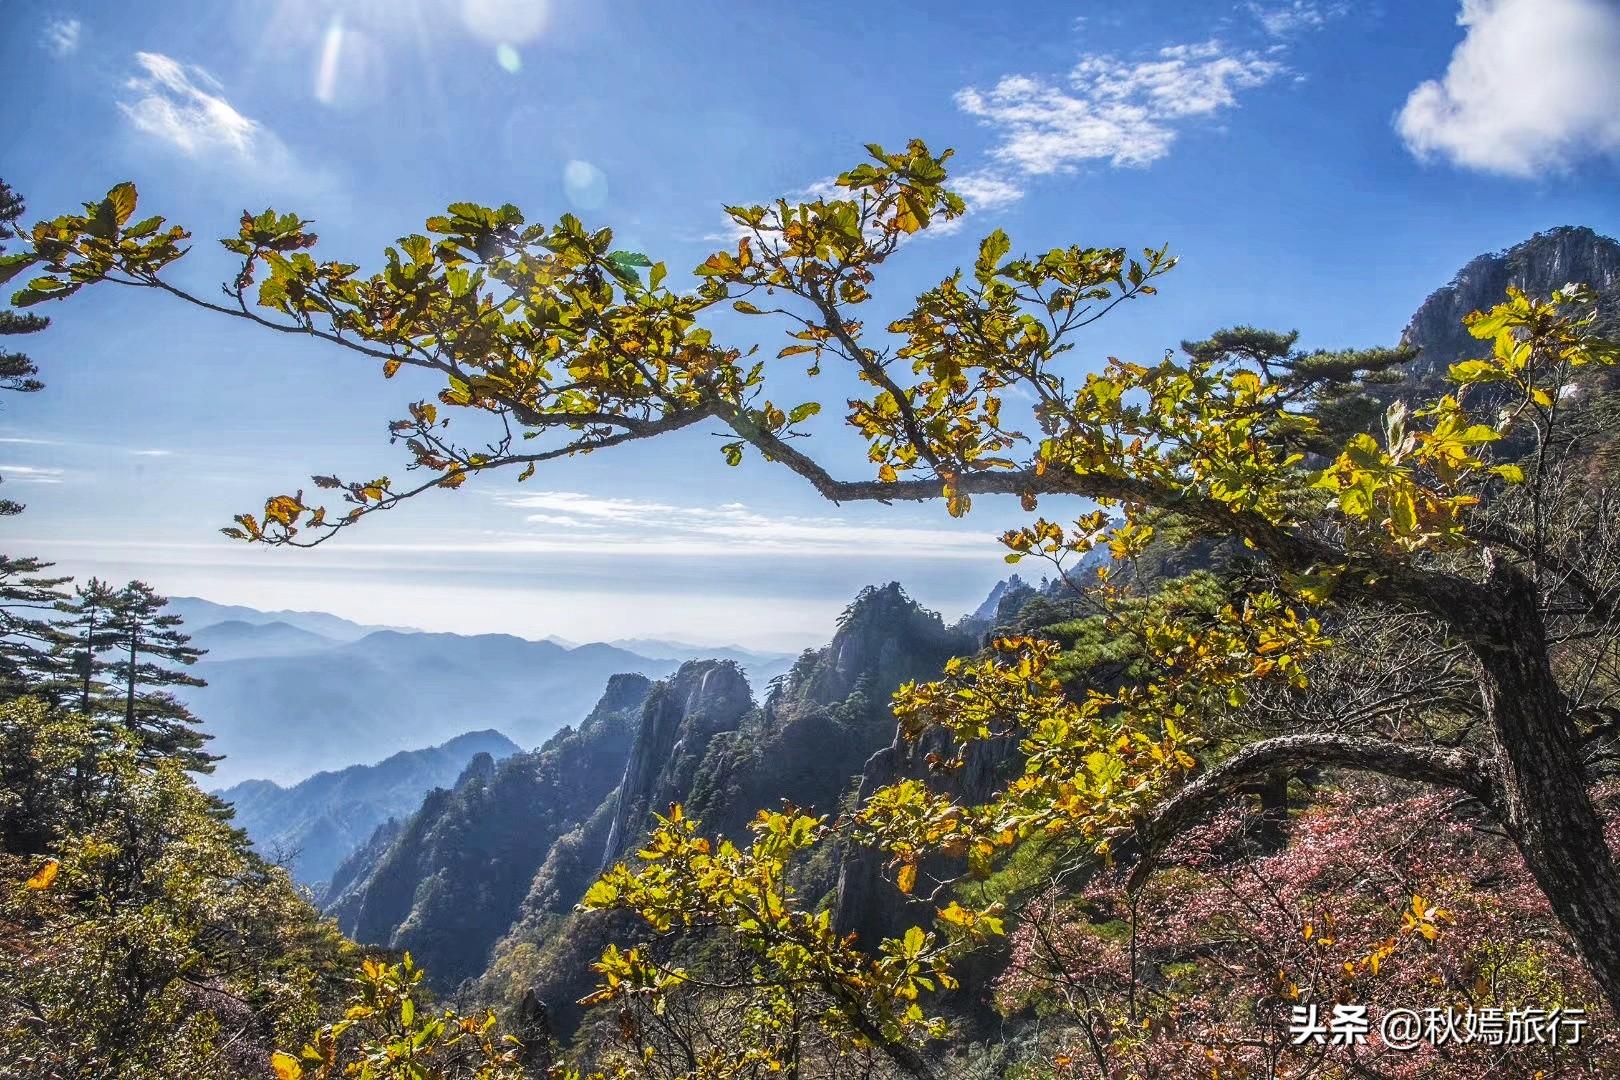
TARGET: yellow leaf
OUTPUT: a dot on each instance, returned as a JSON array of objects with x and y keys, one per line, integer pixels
[
  {"x": 286, "y": 1067},
  {"x": 1403, "y": 513},
  {"x": 907, "y": 878},
  {"x": 282, "y": 509},
  {"x": 46, "y": 874}
]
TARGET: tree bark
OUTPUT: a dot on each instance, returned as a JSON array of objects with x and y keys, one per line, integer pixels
[
  {"x": 1273, "y": 833},
  {"x": 129, "y": 693},
  {"x": 89, "y": 665},
  {"x": 1546, "y": 807}
]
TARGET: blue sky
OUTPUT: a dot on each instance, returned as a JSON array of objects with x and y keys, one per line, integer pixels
[{"x": 1317, "y": 165}]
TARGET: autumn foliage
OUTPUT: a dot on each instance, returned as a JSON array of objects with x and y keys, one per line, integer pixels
[{"x": 555, "y": 343}]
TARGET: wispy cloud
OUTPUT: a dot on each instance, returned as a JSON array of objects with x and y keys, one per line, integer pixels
[
  {"x": 132, "y": 451},
  {"x": 572, "y": 521},
  {"x": 1127, "y": 113},
  {"x": 61, "y": 37},
  {"x": 986, "y": 190},
  {"x": 31, "y": 474},
  {"x": 1283, "y": 20},
  {"x": 1532, "y": 89},
  {"x": 181, "y": 105}
]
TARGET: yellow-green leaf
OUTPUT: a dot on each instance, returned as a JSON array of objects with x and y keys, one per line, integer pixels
[
  {"x": 122, "y": 199},
  {"x": 45, "y": 875}
]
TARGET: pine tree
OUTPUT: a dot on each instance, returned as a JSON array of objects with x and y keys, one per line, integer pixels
[
  {"x": 17, "y": 371},
  {"x": 88, "y": 635},
  {"x": 146, "y": 643},
  {"x": 31, "y": 643}
]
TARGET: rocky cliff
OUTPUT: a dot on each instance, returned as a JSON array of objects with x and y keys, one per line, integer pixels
[
  {"x": 820, "y": 722},
  {"x": 453, "y": 878},
  {"x": 867, "y": 903},
  {"x": 681, "y": 717},
  {"x": 697, "y": 745},
  {"x": 1538, "y": 265}
]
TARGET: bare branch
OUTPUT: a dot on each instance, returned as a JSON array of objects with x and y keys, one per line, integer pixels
[{"x": 1271, "y": 759}]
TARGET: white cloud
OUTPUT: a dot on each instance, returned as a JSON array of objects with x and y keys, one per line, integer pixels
[
  {"x": 572, "y": 521},
  {"x": 20, "y": 440},
  {"x": 61, "y": 37},
  {"x": 1533, "y": 88},
  {"x": 31, "y": 474},
  {"x": 1281, "y": 20},
  {"x": 182, "y": 105},
  {"x": 985, "y": 190},
  {"x": 1127, "y": 113}
]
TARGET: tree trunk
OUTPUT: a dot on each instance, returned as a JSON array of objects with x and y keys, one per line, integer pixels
[
  {"x": 129, "y": 695},
  {"x": 1272, "y": 836},
  {"x": 89, "y": 665},
  {"x": 1545, "y": 803}
]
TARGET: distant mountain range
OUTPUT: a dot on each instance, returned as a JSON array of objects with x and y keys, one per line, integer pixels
[
  {"x": 293, "y": 692},
  {"x": 199, "y": 613},
  {"x": 238, "y": 639},
  {"x": 281, "y": 715},
  {"x": 761, "y": 667},
  {"x": 315, "y": 824}
]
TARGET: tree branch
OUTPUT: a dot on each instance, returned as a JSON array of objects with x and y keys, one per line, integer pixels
[{"x": 1275, "y": 758}]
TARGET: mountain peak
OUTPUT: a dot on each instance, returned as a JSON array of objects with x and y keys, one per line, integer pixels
[
  {"x": 1546, "y": 261},
  {"x": 478, "y": 770},
  {"x": 625, "y": 690},
  {"x": 681, "y": 716}
]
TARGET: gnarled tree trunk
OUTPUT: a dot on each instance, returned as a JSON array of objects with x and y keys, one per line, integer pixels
[{"x": 1544, "y": 802}]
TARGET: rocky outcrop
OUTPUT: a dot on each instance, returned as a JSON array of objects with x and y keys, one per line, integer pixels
[
  {"x": 986, "y": 611},
  {"x": 699, "y": 743},
  {"x": 826, "y": 717},
  {"x": 453, "y": 879},
  {"x": 1539, "y": 265},
  {"x": 881, "y": 637},
  {"x": 681, "y": 717},
  {"x": 867, "y": 903}
]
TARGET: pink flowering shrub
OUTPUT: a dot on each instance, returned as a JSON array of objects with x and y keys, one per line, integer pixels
[{"x": 1379, "y": 899}]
